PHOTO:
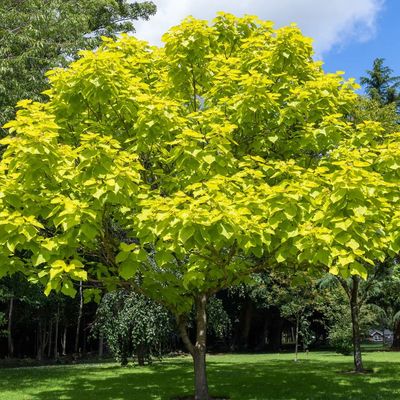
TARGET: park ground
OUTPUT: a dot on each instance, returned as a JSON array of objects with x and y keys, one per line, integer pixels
[{"x": 317, "y": 375}]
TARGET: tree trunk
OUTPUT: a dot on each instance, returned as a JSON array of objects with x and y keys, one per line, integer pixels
[
  {"x": 84, "y": 338},
  {"x": 56, "y": 333},
  {"x": 101, "y": 345},
  {"x": 78, "y": 323},
  {"x": 50, "y": 338},
  {"x": 39, "y": 353},
  {"x": 275, "y": 333},
  {"x": 64, "y": 341},
  {"x": 199, "y": 356},
  {"x": 396, "y": 336},
  {"x": 355, "y": 311},
  {"x": 10, "y": 341},
  {"x": 248, "y": 315},
  {"x": 198, "y": 350},
  {"x": 296, "y": 343},
  {"x": 383, "y": 335},
  {"x": 141, "y": 354}
]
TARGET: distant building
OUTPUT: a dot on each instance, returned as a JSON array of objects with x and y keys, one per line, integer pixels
[{"x": 377, "y": 336}]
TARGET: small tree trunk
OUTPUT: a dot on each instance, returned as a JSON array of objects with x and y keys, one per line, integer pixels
[
  {"x": 355, "y": 311},
  {"x": 383, "y": 335},
  {"x": 50, "y": 338},
  {"x": 10, "y": 341},
  {"x": 78, "y": 324},
  {"x": 56, "y": 333},
  {"x": 64, "y": 341},
  {"x": 141, "y": 353},
  {"x": 275, "y": 333},
  {"x": 101, "y": 345},
  {"x": 198, "y": 350},
  {"x": 396, "y": 336},
  {"x": 39, "y": 354},
  {"x": 296, "y": 339},
  {"x": 248, "y": 314},
  {"x": 84, "y": 339}
]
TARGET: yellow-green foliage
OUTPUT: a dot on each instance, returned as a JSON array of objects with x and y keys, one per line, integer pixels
[{"x": 225, "y": 150}]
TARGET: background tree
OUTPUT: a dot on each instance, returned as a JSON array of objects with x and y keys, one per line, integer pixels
[
  {"x": 296, "y": 304},
  {"x": 380, "y": 84},
  {"x": 36, "y": 36},
  {"x": 133, "y": 325},
  {"x": 334, "y": 305}
]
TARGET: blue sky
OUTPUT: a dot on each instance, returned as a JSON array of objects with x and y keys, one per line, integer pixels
[
  {"x": 354, "y": 57},
  {"x": 348, "y": 34}
]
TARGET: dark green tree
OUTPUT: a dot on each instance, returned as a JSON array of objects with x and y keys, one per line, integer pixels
[
  {"x": 132, "y": 324},
  {"x": 37, "y": 35},
  {"x": 380, "y": 85}
]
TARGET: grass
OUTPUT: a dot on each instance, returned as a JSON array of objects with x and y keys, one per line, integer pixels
[{"x": 316, "y": 376}]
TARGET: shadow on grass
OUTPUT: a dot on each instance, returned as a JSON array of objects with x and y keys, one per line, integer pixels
[{"x": 270, "y": 379}]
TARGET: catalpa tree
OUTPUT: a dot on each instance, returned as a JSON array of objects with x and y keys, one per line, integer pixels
[{"x": 181, "y": 170}]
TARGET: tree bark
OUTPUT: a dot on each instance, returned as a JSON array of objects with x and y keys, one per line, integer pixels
[
  {"x": 56, "y": 333},
  {"x": 50, "y": 338},
  {"x": 296, "y": 345},
  {"x": 199, "y": 358},
  {"x": 355, "y": 311},
  {"x": 39, "y": 353},
  {"x": 248, "y": 314},
  {"x": 101, "y": 345},
  {"x": 275, "y": 333},
  {"x": 141, "y": 354},
  {"x": 10, "y": 341},
  {"x": 198, "y": 350},
  {"x": 64, "y": 341},
  {"x": 78, "y": 323},
  {"x": 383, "y": 335},
  {"x": 396, "y": 336}
]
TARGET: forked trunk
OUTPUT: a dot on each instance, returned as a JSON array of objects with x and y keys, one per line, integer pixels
[
  {"x": 355, "y": 311},
  {"x": 198, "y": 350}
]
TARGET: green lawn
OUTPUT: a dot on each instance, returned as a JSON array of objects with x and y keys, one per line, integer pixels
[{"x": 242, "y": 377}]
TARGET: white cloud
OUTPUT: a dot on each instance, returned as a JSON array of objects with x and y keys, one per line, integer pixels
[{"x": 328, "y": 22}]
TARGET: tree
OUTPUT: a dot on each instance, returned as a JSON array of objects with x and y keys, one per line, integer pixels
[
  {"x": 380, "y": 85},
  {"x": 133, "y": 324},
  {"x": 347, "y": 312},
  {"x": 178, "y": 171},
  {"x": 296, "y": 304},
  {"x": 36, "y": 36}
]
